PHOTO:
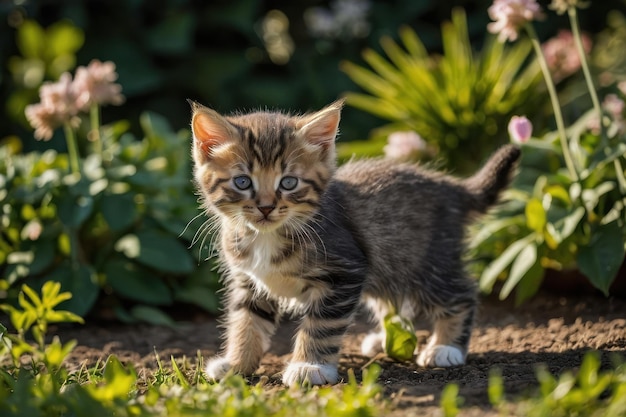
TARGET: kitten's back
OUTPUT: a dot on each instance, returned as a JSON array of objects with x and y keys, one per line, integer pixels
[{"x": 411, "y": 221}]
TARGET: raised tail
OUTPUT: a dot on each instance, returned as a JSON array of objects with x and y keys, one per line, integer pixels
[{"x": 485, "y": 186}]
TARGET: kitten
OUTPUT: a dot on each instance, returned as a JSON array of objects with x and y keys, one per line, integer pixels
[{"x": 298, "y": 235}]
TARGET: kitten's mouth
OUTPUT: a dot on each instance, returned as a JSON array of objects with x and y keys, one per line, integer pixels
[{"x": 265, "y": 224}]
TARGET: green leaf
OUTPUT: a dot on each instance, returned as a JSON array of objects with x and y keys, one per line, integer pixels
[
  {"x": 157, "y": 250},
  {"x": 495, "y": 268},
  {"x": 63, "y": 316},
  {"x": 450, "y": 400},
  {"x": 568, "y": 224},
  {"x": 495, "y": 388},
  {"x": 559, "y": 192},
  {"x": 535, "y": 215},
  {"x": 55, "y": 352},
  {"x": 530, "y": 283},
  {"x": 400, "y": 340},
  {"x": 200, "y": 296},
  {"x": 182, "y": 380},
  {"x": 44, "y": 253},
  {"x": 130, "y": 281},
  {"x": 81, "y": 282},
  {"x": 51, "y": 296},
  {"x": 152, "y": 315},
  {"x": 588, "y": 373},
  {"x": 602, "y": 258},
  {"x": 118, "y": 210},
  {"x": 33, "y": 296},
  {"x": 74, "y": 210},
  {"x": 491, "y": 227},
  {"x": 600, "y": 158},
  {"x": 526, "y": 259},
  {"x": 118, "y": 382},
  {"x": 591, "y": 196}
]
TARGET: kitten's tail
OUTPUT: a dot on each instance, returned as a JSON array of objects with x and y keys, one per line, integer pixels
[{"x": 493, "y": 177}]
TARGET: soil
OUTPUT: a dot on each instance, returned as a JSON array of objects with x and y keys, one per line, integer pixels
[{"x": 549, "y": 329}]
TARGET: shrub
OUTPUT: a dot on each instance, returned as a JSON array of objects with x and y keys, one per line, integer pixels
[
  {"x": 567, "y": 204},
  {"x": 115, "y": 220},
  {"x": 459, "y": 102}
]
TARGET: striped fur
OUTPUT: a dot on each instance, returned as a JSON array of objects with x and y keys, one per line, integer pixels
[{"x": 297, "y": 235}]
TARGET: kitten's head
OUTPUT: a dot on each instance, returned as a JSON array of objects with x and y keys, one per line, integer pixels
[{"x": 264, "y": 169}]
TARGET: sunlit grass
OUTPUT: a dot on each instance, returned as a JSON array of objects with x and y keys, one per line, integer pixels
[{"x": 35, "y": 381}]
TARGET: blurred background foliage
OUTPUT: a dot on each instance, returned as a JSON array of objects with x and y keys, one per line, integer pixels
[
  {"x": 232, "y": 55},
  {"x": 459, "y": 101},
  {"x": 237, "y": 55}
]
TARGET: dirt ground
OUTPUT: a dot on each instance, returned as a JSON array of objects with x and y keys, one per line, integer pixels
[{"x": 552, "y": 330}]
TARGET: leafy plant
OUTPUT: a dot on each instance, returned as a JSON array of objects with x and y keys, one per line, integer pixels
[
  {"x": 113, "y": 226},
  {"x": 400, "y": 338},
  {"x": 35, "y": 314},
  {"x": 46, "y": 388},
  {"x": 458, "y": 102},
  {"x": 450, "y": 400},
  {"x": 567, "y": 204},
  {"x": 590, "y": 391}
]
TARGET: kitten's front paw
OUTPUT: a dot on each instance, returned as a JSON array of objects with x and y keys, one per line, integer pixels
[
  {"x": 217, "y": 368},
  {"x": 373, "y": 344},
  {"x": 441, "y": 356},
  {"x": 310, "y": 373}
]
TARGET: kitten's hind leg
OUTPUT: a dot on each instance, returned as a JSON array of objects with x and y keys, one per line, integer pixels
[
  {"x": 449, "y": 342},
  {"x": 250, "y": 323},
  {"x": 374, "y": 342}
]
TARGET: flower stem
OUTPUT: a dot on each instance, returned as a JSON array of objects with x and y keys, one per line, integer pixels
[
  {"x": 558, "y": 116},
  {"x": 72, "y": 149},
  {"x": 94, "y": 119},
  {"x": 583, "y": 59}
]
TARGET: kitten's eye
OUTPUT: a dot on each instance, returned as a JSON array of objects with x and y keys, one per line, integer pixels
[
  {"x": 288, "y": 183},
  {"x": 243, "y": 182}
]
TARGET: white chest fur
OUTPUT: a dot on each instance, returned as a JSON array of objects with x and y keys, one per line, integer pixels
[{"x": 275, "y": 278}]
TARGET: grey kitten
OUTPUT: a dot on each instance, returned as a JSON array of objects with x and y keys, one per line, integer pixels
[{"x": 299, "y": 235}]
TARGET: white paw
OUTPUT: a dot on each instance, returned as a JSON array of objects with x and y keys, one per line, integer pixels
[
  {"x": 217, "y": 368},
  {"x": 373, "y": 344},
  {"x": 441, "y": 356},
  {"x": 310, "y": 373}
]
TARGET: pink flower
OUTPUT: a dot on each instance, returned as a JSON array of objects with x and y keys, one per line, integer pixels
[
  {"x": 63, "y": 100},
  {"x": 95, "y": 84},
  {"x": 43, "y": 119},
  {"x": 510, "y": 15},
  {"x": 561, "y": 54},
  {"x": 57, "y": 106},
  {"x": 404, "y": 145},
  {"x": 520, "y": 129}
]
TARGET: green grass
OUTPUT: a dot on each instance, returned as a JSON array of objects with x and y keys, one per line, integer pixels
[{"x": 34, "y": 381}]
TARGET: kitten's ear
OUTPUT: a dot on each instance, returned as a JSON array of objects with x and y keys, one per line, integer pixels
[
  {"x": 320, "y": 128},
  {"x": 210, "y": 129}
]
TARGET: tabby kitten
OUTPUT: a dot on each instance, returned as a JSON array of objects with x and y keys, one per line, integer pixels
[{"x": 298, "y": 235}]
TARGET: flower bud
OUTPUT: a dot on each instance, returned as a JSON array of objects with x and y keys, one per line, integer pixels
[{"x": 520, "y": 129}]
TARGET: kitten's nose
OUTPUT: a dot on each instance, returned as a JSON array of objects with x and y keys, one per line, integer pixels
[{"x": 266, "y": 210}]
